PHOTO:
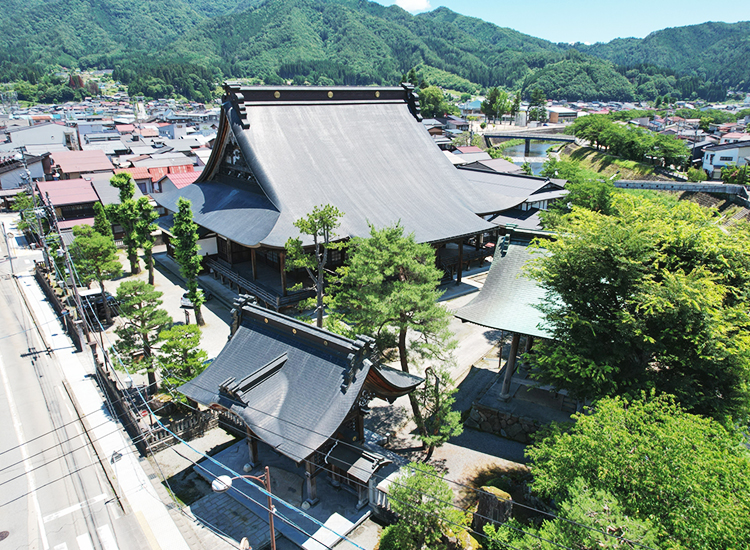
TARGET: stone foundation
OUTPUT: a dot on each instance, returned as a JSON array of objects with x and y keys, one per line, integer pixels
[{"x": 510, "y": 426}]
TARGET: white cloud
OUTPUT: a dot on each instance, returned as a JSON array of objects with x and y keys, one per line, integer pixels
[{"x": 414, "y": 5}]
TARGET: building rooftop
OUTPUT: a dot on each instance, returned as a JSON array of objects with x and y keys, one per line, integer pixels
[
  {"x": 71, "y": 162},
  {"x": 64, "y": 192},
  {"x": 362, "y": 150}
]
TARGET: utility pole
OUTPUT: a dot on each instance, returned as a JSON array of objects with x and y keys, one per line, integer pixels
[
  {"x": 26, "y": 177},
  {"x": 10, "y": 254}
]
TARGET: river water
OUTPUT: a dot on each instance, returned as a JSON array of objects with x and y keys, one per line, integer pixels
[{"x": 536, "y": 150}]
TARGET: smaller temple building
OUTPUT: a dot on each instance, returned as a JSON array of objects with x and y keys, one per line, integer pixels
[{"x": 303, "y": 391}]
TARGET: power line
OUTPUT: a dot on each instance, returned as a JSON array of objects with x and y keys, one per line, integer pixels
[
  {"x": 374, "y": 475},
  {"x": 462, "y": 485}
]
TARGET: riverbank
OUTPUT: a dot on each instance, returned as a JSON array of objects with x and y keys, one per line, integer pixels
[{"x": 608, "y": 165}]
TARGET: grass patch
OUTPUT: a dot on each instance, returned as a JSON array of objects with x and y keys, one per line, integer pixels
[{"x": 608, "y": 165}]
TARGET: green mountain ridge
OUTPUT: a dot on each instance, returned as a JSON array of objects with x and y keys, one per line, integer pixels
[{"x": 184, "y": 46}]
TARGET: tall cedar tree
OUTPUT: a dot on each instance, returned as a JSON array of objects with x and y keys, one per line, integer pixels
[
  {"x": 143, "y": 323},
  {"x": 320, "y": 225},
  {"x": 145, "y": 227},
  {"x": 186, "y": 252},
  {"x": 388, "y": 290},
  {"x": 95, "y": 258},
  {"x": 654, "y": 296},
  {"x": 180, "y": 356}
]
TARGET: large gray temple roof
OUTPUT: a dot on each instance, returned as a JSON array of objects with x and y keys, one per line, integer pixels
[{"x": 362, "y": 150}]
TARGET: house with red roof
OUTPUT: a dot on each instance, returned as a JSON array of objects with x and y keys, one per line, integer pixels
[
  {"x": 72, "y": 200},
  {"x": 73, "y": 164}
]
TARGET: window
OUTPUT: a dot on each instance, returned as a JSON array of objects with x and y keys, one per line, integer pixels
[{"x": 725, "y": 159}]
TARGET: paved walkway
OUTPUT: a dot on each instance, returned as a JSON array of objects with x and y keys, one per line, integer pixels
[{"x": 131, "y": 479}]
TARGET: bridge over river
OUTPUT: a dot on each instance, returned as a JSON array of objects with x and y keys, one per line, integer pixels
[{"x": 528, "y": 137}]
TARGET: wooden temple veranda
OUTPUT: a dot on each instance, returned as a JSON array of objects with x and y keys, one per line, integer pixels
[{"x": 280, "y": 151}]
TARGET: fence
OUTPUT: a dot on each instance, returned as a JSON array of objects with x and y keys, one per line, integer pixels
[{"x": 71, "y": 327}]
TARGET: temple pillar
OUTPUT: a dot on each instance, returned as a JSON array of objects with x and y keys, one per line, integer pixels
[
  {"x": 252, "y": 260},
  {"x": 229, "y": 252},
  {"x": 312, "y": 488},
  {"x": 252, "y": 448},
  {"x": 282, "y": 268},
  {"x": 510, "y": 366},
  {"x": 460, "y": 269}
]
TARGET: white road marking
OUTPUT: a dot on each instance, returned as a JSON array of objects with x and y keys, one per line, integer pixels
[
  {"x": 62, "y": 546},
  {"x": 84, "y": 542},
  {"x": 25, "y": 454},
  {"x": 107, "y": 538},
  {"x": 73, "y": 508},
  {"x": 27, "y": 261}
]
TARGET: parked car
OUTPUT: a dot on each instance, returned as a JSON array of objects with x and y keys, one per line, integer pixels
[{"x": 185, "y": 300}]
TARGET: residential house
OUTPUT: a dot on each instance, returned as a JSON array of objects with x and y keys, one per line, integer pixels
[
  {"x": 734, "y": 137},
  {"x": 13, "y": 174},
  {"x": 715, "y": 157},
  {"x": 73, "y": 164},
  {"x": 49, "y": 136}
]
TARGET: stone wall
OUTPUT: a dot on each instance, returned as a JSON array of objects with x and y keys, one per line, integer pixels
[{"x": 510, "y": 426}]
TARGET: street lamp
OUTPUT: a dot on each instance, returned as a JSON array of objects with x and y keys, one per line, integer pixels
[{"x": 223, "y": 483}]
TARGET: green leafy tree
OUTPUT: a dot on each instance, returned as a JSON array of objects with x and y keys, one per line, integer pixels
[
  {"x": 516, "y": 105},
  {"x": 436, "y": 397},
  {"x": 143, "y": 322},
  {"x": 180, "y": 357},
  {"x": 432, "y": 103},
  {"x": 526, "y": 169},
  {"x": 697, "y": 175},
  {"x": 388, "y": 290},
  {"x": 423, "y": 502},
  {"x": 654, "y": 295},
  {"x": 687, "y": 475},
  {"x": 320, "y": 226},
  {"x": 537, "y": 106},
  {"x": 95, "y": 258},
  {"x": 187, "y": 254},
  {"x": 24, "y": 204},
  {"x": 589, "y": 519},
  {"x": 734, "y": 174}
]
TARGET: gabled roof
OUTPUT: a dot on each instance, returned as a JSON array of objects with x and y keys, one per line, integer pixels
[
  {"x": 293, "y": 384},
  {"x": 106, "y": 193},
  {"x": 180, "y": 180},
  {"x": 509, "y": 298},
  {"x": 362, "y": 150},
  {"x": 64, "y": 192},
  {"x": 727, "y": 146},
  {"x": 494, "y": 165},
  {"x": 490, "y": 193},
  {"x": 81, "y": 161}
]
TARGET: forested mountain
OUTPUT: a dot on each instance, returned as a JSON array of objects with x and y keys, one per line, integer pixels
[
  {"x": 160, "y": 47},
  {"x": 717, "y": 52}
]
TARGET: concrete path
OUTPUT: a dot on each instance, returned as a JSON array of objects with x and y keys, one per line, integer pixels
[{"x": 131, "y": 479}]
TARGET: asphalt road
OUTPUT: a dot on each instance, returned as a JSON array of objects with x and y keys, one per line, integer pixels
[{"x": 53, "y": 492}]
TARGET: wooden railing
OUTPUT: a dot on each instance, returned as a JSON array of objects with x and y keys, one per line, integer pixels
[{"x": 245, "y": 286}]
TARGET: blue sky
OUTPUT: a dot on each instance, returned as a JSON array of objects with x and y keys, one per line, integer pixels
[{"x": 588, "y": 21}]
